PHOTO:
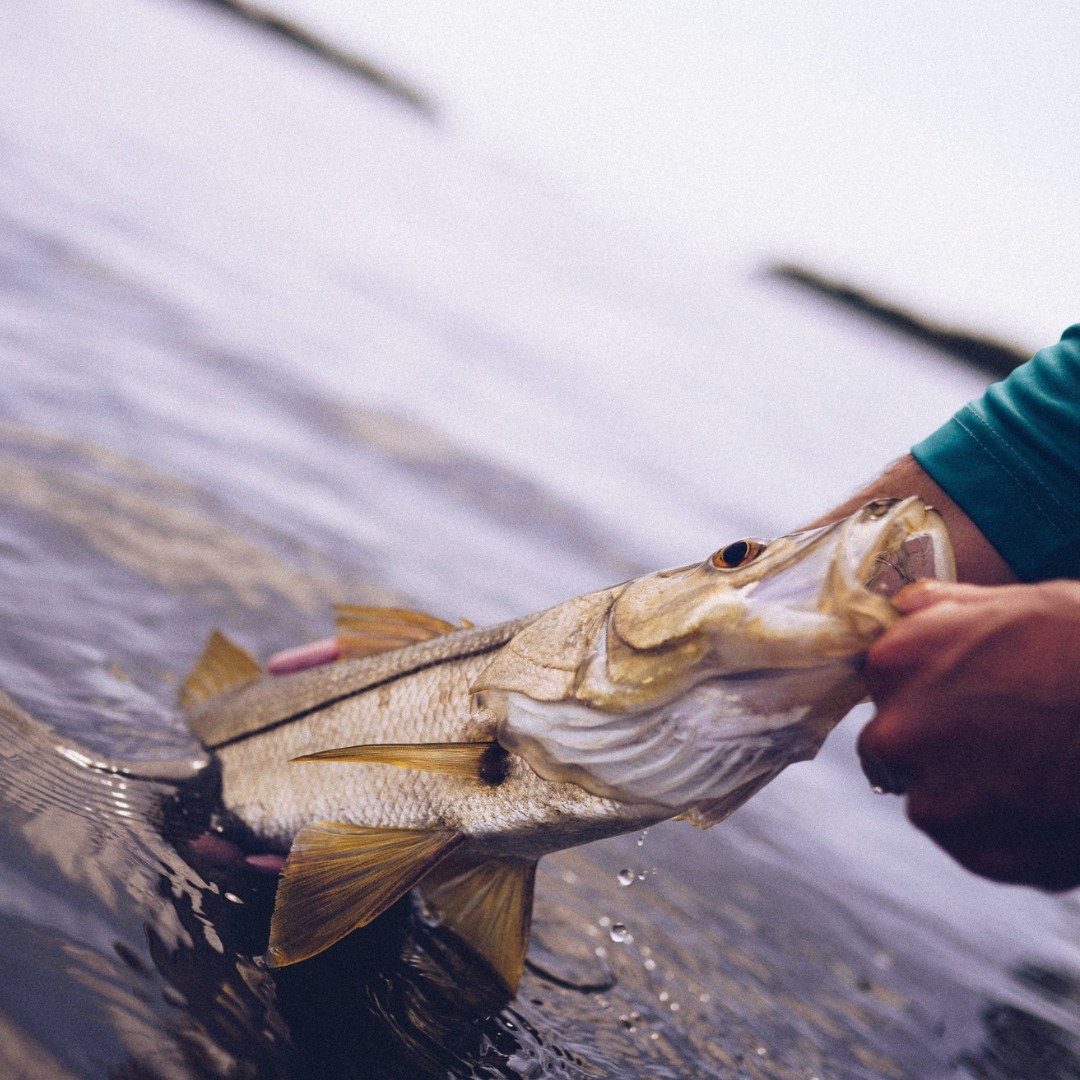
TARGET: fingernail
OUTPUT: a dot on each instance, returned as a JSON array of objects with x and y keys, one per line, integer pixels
[{"x": 887, "y": 779}]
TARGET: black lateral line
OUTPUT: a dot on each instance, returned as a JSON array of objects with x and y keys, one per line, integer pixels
[{"x": 273, "y": 725}]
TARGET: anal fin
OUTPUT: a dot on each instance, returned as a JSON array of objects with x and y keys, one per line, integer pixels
[
  {"x": 485, "y": 761},
  {"x": 223, "y": 665},
  {"x": 341, "y": 877},
  {"x": 489, "y": 906}
]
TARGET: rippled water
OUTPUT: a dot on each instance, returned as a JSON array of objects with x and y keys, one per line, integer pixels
[{"x": 269, "y": 340}]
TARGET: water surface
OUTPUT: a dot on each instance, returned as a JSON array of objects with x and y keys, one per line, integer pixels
[{"x": 271, "y": 340}]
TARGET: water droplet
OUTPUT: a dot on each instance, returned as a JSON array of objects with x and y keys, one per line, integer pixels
[
  {"x": 664, "y": 995},
  {"x": 619, "y": 933},
  {"x": 628, "y": 877},
  {"x": 604, "y": 920},
  {"x": 641, "y": 838},
  {"x": 879, "y": 790},
  {"x": 650, "y": 964}
]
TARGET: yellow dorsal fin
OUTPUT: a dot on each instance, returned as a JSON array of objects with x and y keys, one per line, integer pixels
[
  {"x": 486, "y": 761},
  {"x": 490, "y": 907},
  {"x": 224, "y": 665},
  {"x": 340, "y": 877},
  {"x": 366, "y": 630}
]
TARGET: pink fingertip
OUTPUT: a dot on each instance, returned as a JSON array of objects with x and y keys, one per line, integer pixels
[
  {"x": 216, "y": 850},
  {"x": 304, "y": 656},
  {"x": 266, "y": 864}
]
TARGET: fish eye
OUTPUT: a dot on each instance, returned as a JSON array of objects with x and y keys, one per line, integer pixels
[{"x": 738, "y": 554}]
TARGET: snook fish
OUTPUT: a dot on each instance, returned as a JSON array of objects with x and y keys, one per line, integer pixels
[{"x": 454, "y": 758}]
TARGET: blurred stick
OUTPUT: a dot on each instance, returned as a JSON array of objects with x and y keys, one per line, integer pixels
[
  {"x": 995, "y": 358},
  {"x": 311, "y": 42}
]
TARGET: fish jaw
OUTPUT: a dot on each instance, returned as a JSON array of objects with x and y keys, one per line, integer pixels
[{"x": 704, "y": 681}]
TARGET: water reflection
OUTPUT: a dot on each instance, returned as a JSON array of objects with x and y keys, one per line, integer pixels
[{"x": 117, "y": 940}]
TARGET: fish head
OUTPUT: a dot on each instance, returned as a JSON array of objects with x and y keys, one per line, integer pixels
[
  {"x": 758, "y": 605},
  {"x": 688, "y": 685}
]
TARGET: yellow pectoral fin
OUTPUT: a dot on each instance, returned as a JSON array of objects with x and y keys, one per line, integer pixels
[
  {"x": 340, "y": 877},
  {"x": 224, "y": 665},
  {"x": 486, "y": 761},
  {"x": 363, "y": 631},
  {"x": 490, "y": 907}
]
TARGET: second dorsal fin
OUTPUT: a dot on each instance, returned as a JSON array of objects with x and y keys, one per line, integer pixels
[
  {"x": 366, "y": 630},
  {"x": 223, "y": 665}
]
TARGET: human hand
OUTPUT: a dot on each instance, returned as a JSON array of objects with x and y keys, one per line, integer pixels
[{"x": 978, "y": 709}]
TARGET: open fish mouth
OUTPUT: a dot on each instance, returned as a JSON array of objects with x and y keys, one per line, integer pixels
[{"x": 919, "y": 556}]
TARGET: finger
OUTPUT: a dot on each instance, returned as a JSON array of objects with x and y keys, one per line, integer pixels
[
  {"x": 919, "y": 638},
  {"x": 928, "y": 591},
  {"x": 1010, "y": 861},
  {"x": 1005, "y": 864},
  {"x": 998, "y": 840},
  {"x": 215, "y": 850},
  {"x": 884, "y": 757}
]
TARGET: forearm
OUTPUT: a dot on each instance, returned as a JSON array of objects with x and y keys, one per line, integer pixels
[{"x": 977, "y": 561}]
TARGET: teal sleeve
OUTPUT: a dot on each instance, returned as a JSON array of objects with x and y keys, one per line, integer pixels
[{"x": 1011, "y": 461}]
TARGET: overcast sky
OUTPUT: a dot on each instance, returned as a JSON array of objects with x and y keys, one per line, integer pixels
[{"x": 926, "y": 150}]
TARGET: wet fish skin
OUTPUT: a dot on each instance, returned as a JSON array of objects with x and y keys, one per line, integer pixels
[
  {"x": 418, "y": 695},
  {"x": 679, "y": 693}
]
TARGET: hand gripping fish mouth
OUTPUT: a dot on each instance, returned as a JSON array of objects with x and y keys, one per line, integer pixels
[{"x": 420, "y": 754}]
